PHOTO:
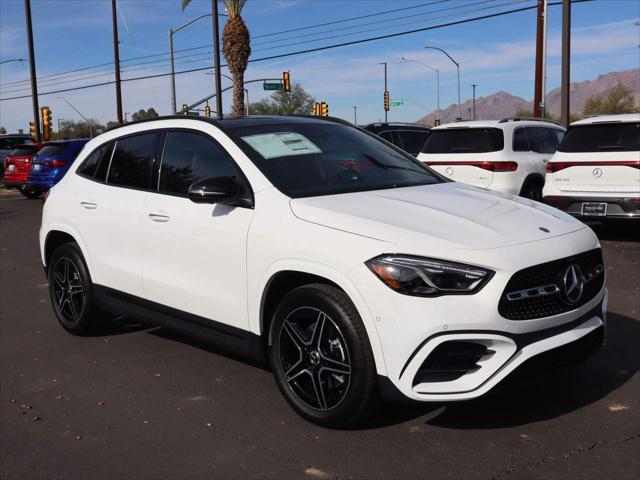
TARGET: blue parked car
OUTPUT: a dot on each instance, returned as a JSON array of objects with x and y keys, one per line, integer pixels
[{"x": 51, "y": 163}]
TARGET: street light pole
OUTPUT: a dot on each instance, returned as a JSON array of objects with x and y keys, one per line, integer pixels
[
  {"x": 355, "y": 115},
  {"x": 474, "y": 85},
  {"x": 437, "y": 80},
  {"x": 385, "y": 87},
  {"x": 32, "y": 69},
  {"x": 173, "y": 72},
  {"x": 78, "y": 112},
  {"x": 12, "y": 60},
  {"x": 458, "y": 69}
]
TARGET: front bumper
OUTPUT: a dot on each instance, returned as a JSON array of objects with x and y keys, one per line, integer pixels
[
  {"x": 617, "y": 207},
  {"x": 511, "y": 351}
]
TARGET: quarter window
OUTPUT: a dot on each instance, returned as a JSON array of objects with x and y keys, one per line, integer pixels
[
  {"x": 412, "y": 141},
  {"x": 520, "y": 141},
  {"x": 96, "y": 164},
  {"x": 133, "y": 160},
  {"x": 189, "y": 157},
  {"x": 542, "y": 140}
]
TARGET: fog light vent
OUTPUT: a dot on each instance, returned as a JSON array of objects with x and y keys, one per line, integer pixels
[{"x": 450, "y": 361}]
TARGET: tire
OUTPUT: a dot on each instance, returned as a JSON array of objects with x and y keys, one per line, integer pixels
[
  {"x": 71, "y": 291},
  {"x": 532, "y": 190},
  {"x": 30, "y": 193},
  {"x": 321, "y": 357}
]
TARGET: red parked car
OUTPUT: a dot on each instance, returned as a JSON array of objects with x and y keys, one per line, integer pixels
[{"x": 17, "y": 166}]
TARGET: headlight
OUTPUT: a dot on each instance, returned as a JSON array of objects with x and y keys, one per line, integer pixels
[{"x": 426, "y": 277}]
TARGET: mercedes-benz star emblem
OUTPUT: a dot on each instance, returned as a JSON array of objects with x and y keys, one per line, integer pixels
[
  {"x": 449, "y": 171},
  {"x": 573, "y": 283},
  {"x": 597, "y": 172}
]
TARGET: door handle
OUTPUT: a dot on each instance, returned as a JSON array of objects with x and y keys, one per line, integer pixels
[
  {"x": 157, "y": 217},
  {"x": 89, "y": 205}
]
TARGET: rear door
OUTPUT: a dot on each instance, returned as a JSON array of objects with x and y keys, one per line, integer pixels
[
  {"x": 110, "y": 209},
  {"x": 598, "y": 158},
  {"x": 194, "y": 255}
]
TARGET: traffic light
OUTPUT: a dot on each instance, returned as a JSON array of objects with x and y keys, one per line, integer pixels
[
  {"x": 436, "y": 122},
  {"x": 286, "y": 82},
  {"x": 316, "y": 109},
  {"x": 185, "y": 109},
  {"x": 386, "y": 101},
  {"x": 207, "y": 111},
  {"x": 32, "y": 129},
  {"x": 45, "y": 113},
  {"x": 324, "y": 109}
]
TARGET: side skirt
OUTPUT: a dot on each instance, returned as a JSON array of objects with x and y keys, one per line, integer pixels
[{"x": 231, "y": 339}]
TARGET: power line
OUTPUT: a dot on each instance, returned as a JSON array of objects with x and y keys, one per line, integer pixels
[
  {"x": 332, "y": 37},
  {"x": 350, "y": 19},
  {"x": 211, "y": 45},
  {"x": 310, "y": 50}
]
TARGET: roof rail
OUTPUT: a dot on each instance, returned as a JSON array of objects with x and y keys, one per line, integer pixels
[{"x": 527, "y": 119}]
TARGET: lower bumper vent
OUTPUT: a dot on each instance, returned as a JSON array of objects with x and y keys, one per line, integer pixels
[{"x": 450, "y": 361}]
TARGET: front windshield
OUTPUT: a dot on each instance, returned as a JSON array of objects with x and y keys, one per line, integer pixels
[{"x": 310, "y": 159}]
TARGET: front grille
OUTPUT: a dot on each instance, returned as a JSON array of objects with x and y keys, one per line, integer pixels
[{"x": 530, "y": 293}]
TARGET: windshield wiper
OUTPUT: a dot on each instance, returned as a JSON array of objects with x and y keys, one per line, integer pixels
[
  {"x": 385, "y": 166},
  {"x": 610, "y": 147}
]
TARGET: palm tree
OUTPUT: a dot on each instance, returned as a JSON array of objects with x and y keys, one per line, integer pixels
[{"x": 236, "y": 49}]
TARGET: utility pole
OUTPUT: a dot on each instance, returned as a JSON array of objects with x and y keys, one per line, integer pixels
[
  {"x": 216, "y": 57},
  {"x": 543, "y": 102},
  {"x": 116, "y": 60},
  {"x": 385, "y": 87},
  {"x": 32, "y": 69},
  {"x": 173, "y": 74},
  {"x": 565, "y": 106},
  {"x": 355, "y": 115},
  {"x": 537, "y": 89},
  {"x": 474, "y": 85}
]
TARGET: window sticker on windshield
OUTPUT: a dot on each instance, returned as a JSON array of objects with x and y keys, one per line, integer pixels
[{"x": 281, "y": 144}]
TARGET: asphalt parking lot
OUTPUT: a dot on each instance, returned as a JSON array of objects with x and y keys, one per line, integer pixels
[{"x": 144, "y": 403}]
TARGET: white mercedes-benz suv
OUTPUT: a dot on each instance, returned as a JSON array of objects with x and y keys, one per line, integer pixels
[
  {"x": 353, "y": 267},
  {"x": 507, "y": 155},
  {"x": 595, "y": 174}
]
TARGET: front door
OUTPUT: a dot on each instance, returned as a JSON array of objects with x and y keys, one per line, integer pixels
[{"x": 195, "y": 254}]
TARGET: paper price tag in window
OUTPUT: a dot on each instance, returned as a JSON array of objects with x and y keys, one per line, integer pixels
[{"x": 281, "y": 144}]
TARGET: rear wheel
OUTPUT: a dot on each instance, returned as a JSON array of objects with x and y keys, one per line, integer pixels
[
  {"x": 71, "y": 292},
  {"x": 321, "y": 356},
  {"x": 30, "y": 192},
  {"x": 533, "y": 190}
]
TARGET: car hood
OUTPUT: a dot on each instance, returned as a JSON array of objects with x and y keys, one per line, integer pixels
[{"x": 451, "y": 215}]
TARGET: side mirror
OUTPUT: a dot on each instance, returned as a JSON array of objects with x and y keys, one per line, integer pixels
[
  {"x": 223, "y": 190},
  {"x": 213, "y": 190}
]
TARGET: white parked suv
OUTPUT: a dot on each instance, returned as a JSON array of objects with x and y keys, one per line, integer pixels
[
  {"x": 507, "y": 155},
  {"x": 596, "y": 172},
  {"x": 348, "y": 263}
]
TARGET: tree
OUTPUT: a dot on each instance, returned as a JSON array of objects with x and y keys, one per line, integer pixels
[
  {"x": 73, "y": 129},
  {"x": 142, "y": 114},
  {"x": 3, "y": 130},
  {"x": 296, "y": 102},
  {"x": 618, "y": 100},
  {"x": 236, "y": 49}
]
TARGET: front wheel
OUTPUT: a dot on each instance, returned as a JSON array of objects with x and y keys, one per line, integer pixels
[{"x": 321, "y": 356}]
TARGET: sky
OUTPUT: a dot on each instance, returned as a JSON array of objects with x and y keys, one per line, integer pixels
[{"x": 496, "y": 53}]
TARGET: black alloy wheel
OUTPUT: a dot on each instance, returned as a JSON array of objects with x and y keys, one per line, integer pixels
[
  {"x": 321, "y": 356},
  {"x": 71, "y": 292}
]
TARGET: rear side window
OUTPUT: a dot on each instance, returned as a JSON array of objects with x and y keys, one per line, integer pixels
[
  {"x": 520, "y": 141},
  {"x": 23, "y": 150},
  {"x": 412, "y": 141},
  {"x": 604, "y": 137},
  {"x": 96, "y": 164},
  {"x": 543, "y": 140},
  {"x": 52, "y": 150},
  {"x": 133, "y": 160},
  {"x": 465, "y": 140},
  {"x": 189, "y": 157},
  {"x": 388, "y": 136}
]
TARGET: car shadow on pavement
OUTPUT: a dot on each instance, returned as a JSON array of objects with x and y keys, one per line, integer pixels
[
  {"x": 616, "y": 231},
  {"x": 527, "y": 396}
]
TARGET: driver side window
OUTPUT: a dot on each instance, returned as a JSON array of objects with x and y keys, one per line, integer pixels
[{"x": 189, "y": 157}]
